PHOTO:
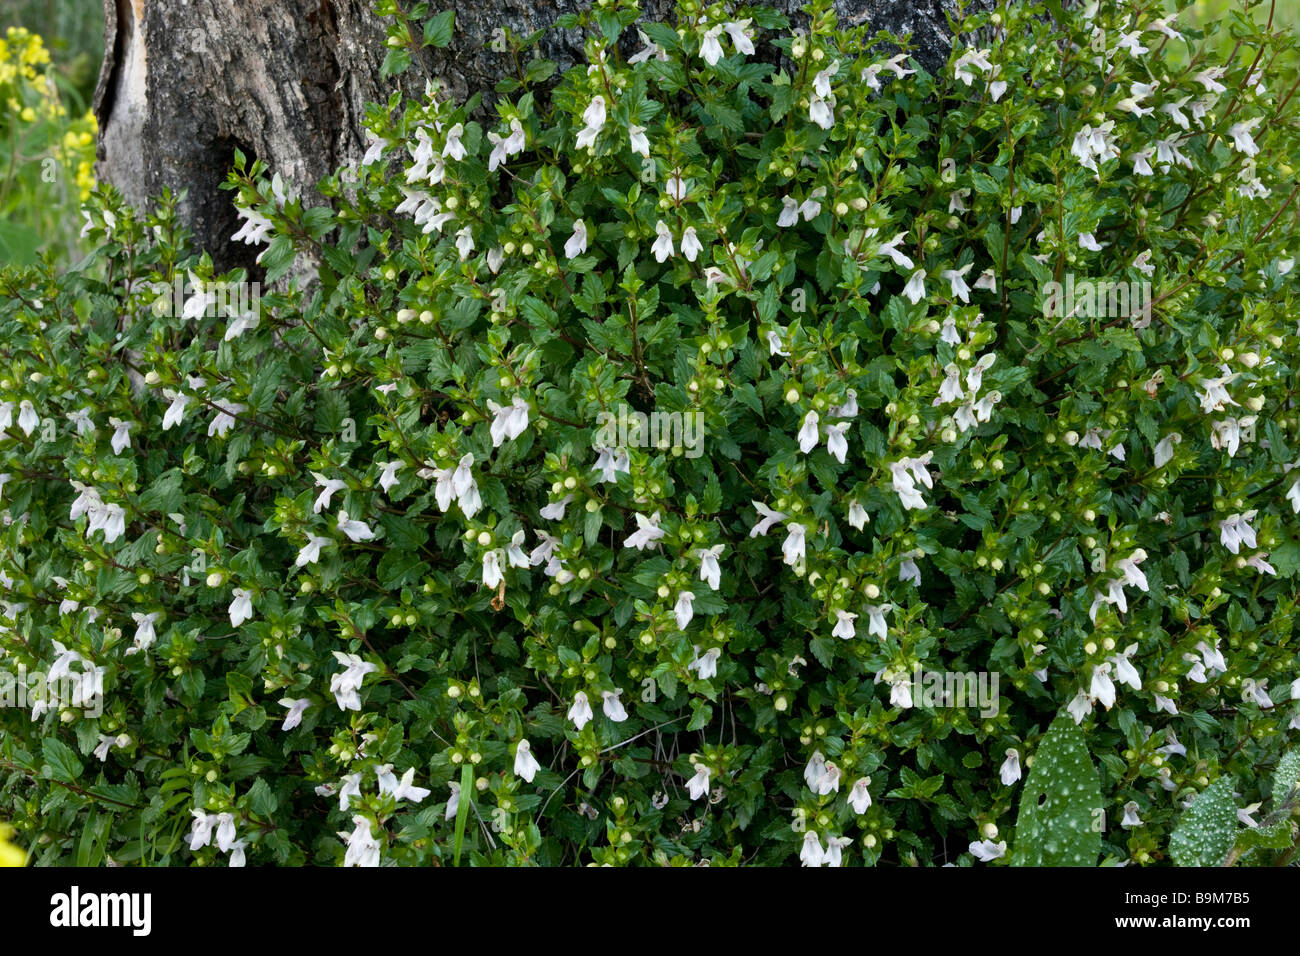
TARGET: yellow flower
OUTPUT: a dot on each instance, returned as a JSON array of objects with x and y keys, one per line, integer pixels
[{"x": 10, "y": 855}]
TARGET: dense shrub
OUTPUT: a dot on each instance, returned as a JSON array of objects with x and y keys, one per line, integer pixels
[{"x": 374, "y": 540}]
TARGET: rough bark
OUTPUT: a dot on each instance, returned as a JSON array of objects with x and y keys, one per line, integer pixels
[{"x": 186, "y": 82}]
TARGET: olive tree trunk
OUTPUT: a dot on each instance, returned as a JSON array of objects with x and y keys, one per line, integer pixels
[{"x": 186, "y": 82}]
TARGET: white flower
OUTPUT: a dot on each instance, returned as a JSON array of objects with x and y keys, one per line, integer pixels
[
  {"x": 738, "y": 30},
  {"x": 684, "y": 609},
  {"x": 201, "y": 829},
  {"x": 789, "y": 214},
  {"x": 663, "y": 246},
  {"x": 121, "y": 435},
  {"x": 462, "y": 484},
  {"x": 453, "y": 148},
  {"x": 1246, "y": 815},
  {"x": 711, "y": 46},
  {"x": 328, "y": 487},
  {"x": 1241, "y": 138},
  {"x": 403, "y": 789},
  {"x": 464, "y": 242},
  {"x": 255, "y": 228},
  {"x": 354, "y": 529},
  {"x": 1131, "y": 818},
  {"x": 111, "y": 520},
  {"x": 363, "y": 848},
  {"x": 171, "y": 417},
  {"x": 106, "y": 743},
  {"x": 1010, "y": 771},
  {"x": 835, "y": 850},
  {"x": 876, "y": 615},
  {"x": 1164, "y": 450},
  {"x": 388, "y": 474},
  {"x": 860, "y": 796},
  {"x": 594, "y": 117},
  {"x": 351, "y": 787},
  {"x": 792, "y": 549},
  {"x": 144, "y": 631},
  {"x": 1257, "y": 691},
  {"x": 310, "y": 552},
  {"x": 971, "y": 58},
  {"x": 844, "y": 625},
  {"x": 503, "y": 147},
  {"x": 1235, "y": 530},
  {"x": 225, "y": 831},
  {"x": 1080, "y": 706},
  {"x": 691, "y": 245},
  {"x": 492, "y": 575},
  {"x": 610, "y": 462},
  {"x": 698, "y": 785},
  {"x": 526, "y": 764},
  {"x": 296, "y": 708},
  {"x": 987, "y": 850},
  {"x": 808, "y": 433},
  {"x": 710, "y": 572},
  {"x": 81, "y": 421},
  {"x": 766, "y": 518},
  {"x": 676, "y": 187},
  {"x": 858, "y": 516},
  {"x": 1125, "y": 672},
  {"x": 819, "y": 112},
  {"x": 829, "y": 781},
  {"x": 508, "y": 421},
  {"x": 914, "y": 291},
  {"x": 812, "y": 853},
  {"x": 909, "y": 572},
  {"x": 345, "y": 685},
  {"x": 577, "y": 243},
  {"x": 822, "y": 81},
  {"x": 814, "y": 770},
  {"x": 647, "y": 532},
  {"x": 957, "y": 281},
  {"x": 649, "y": 50},
  {"x": 241, "y": 608},
  {"x": 836, "y": 443},
  {"x": 612, "y": 706},
  {"x": 453, "y": 802},
  {"x": 1102, "y": 688},
  {"x": 580, "y": 713},
  {"x": 900, "y": 693},
  {"x": 705, "y": 665},
  {"x": 638, "y": 140}
]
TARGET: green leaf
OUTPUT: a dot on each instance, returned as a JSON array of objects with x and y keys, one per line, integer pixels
[
  {"x": 1061, "y": 804},
  {"x": 1286, "y": 776},
  {"x": 61, "y": 760},
  {"x": 1207, "y": 829},
  {"x": 462, "y": 808},
  {"x": 438, "y": 30}
]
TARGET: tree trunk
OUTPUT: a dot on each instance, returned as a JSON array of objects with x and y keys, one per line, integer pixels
[{"x": 185, "y": 84}]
